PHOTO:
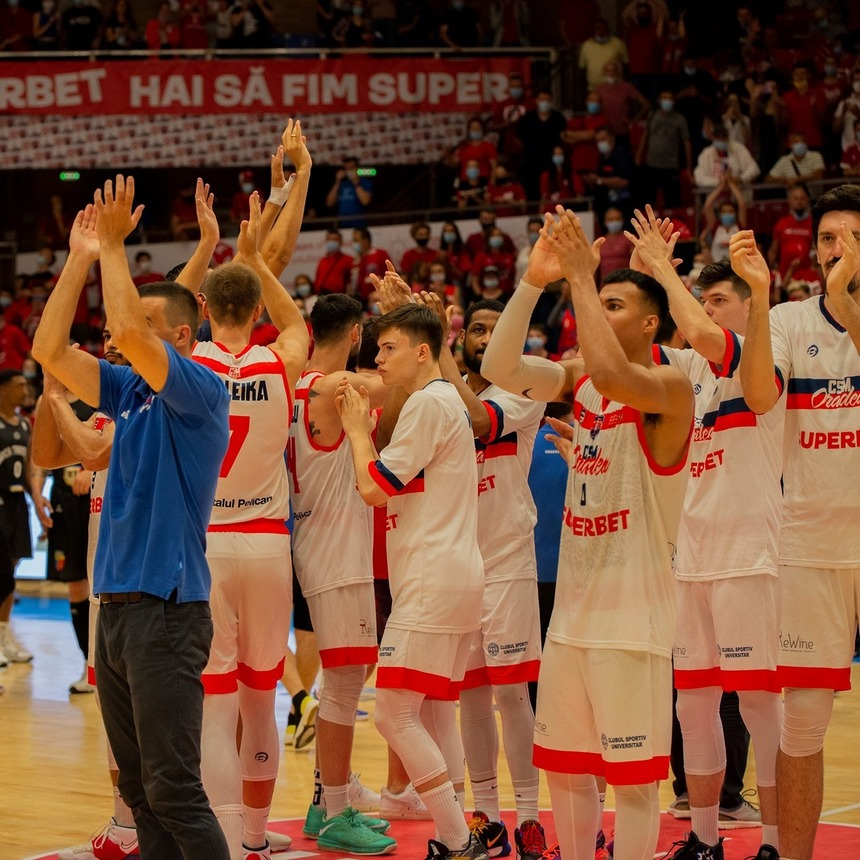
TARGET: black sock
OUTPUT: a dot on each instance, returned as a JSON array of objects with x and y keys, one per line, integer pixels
[
  {"x": 81, "y": 623},
  {"x": 296, "y": 708}
]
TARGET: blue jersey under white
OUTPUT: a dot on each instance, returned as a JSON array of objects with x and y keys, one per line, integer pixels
[
  {"x": 730, "y": 524},
  {"x": 167, "y": 452},
  {"x": 822, "y": 436},
  {"x": 548, "y": 480}
]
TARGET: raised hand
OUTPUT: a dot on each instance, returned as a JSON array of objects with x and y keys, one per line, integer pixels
[
  {"x": 432, "y": 301},
  {"x": 577, "y": 257},
  {"x": 295, "y": 145},
  {"x": 278, "y": 178},
  {"x": 115, "y": 216},
  {"x": 842, "y": 277},
  {"x": 392, "y": 291},
  {"x": 84, "y": 238},
  {"x": 748, "y": 263},
  {"x": 564, "y": 439},
  {"x": 654, "y": 241},
  {"x": 249, "y": 231},
  {"x": 354, "y": 409},
  {"x": 203, "y": 201},
  {"x": 543, "y": 267}
]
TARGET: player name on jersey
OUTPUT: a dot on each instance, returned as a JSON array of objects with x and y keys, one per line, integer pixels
[{"x": 253, "y": 390}]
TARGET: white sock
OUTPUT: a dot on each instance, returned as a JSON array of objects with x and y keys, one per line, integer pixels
[
  {"x": 230, "y": 818},
  {"x": 445, "y": 808},
  {"x": 255, "y": 821},
  {"x": 601, "y": 797},
  {"x": 461, "y": 799},
  {"x": 336, "y": 799},
  {"x": 526, "y": 797},
  {"x": 704, "y": 822},
  {"x": 122, "y": 815},
  {"x": 486, "y": 796},
  {"x": 770, "y": 835}
]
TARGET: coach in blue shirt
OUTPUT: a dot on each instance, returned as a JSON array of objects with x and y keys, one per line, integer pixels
[{"x": 151, "y": 575}]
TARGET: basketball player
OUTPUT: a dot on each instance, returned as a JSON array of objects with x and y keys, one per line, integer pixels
[
  {"x": 727, "y": 622},
  {"x": 336, "y": 574},
  {"x": 604, "y": 700},
  {"x": 436, "y": 604},
  {"x": 815, "y": 346}
]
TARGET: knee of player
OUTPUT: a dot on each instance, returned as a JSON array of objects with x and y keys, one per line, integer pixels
[{"x": 805, "y": 721}]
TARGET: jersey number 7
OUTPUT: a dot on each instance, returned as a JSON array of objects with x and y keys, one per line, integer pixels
[{"x": 240, "y": 426}]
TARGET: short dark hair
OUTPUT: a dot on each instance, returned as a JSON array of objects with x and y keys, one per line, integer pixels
[
  {"x": 363, "y": 232},
  {"x": 233, "y": 292},
  {"x": 655, "y": 294},
  {"x": 181, "y": 306},
  {"x": 8, "y": 375},
  {"x": 332, "y": 316},
  {"x": 493, "y": 305},
  {"x": 843, "y": 198},
  {"x": 140, "y": 254},
  {"x": 417, "y": 322},
  {"x": 714, "y": 273},
  {"x": 368, "y": 350}
]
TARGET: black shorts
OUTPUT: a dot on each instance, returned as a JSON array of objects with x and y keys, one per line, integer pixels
[
  {"x": 15, "y": 522},
  {"x": 301, "y": 612},
  {"x": 68, "y": 537}
]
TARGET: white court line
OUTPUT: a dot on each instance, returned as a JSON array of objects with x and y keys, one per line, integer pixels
[{"x": 841, "y": 809}]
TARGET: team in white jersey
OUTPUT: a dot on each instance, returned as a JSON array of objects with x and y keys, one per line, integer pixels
[{"x": 815, "y": 346}]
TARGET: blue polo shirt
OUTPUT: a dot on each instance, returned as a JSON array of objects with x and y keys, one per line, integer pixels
[
  {"x": 167, "y": 453},
  {"x": 348, "y": 204},
  {"x": 548, "y": 483}
]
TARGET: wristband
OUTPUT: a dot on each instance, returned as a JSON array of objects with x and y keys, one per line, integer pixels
[{"x": 279, "y": 196}]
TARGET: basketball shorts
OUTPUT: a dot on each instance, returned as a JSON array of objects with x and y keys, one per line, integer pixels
[{"x": 344, "y": 620}]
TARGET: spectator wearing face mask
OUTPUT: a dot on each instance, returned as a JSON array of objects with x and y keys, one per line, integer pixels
[
  {"x": 560, "y": 183},
  {"x": 366, "y": 262},
  {"x": 536, "y": 340},
  {"x": 622, "y": 102},
  {"x": 664, "y": 152},
  {"x": 644, "y": 24},
  {"x": 471, "y": 192},
  {"x": 600, "y": 49},
  {"x": 350, "y": 195},
  {"x": 806, "y": 107},
  {"x": 845, "y": 119},
  {"x": 475, "y": 147},
  {"x": 579, "y": 134},
  {"x": 477, "y": 241},
  {"x": 454, "y": 254},
  {"x": 145, "y": 274},
  {"x": 441, "y": 285},
  {"x": 610, "y": 182},
  {"x": 736, "y": 122},
  {"x": 507, "y": 114},
  {"x": 723, "y": 218},
  {"x": 334, "y": 270},
  {"x": 46, "y": 27},
  {"x": 495, "y": 256},
  {"x": 505, "y": 194},
  {"x": 422, "y": 252},
  {"x": 791, "y": 238},
  {"x": 540, "y": 131},
  {"x": 239, "y": 205},
  {"x": 616, "y": 248},
  {"x": 802, "y": 164},
  {"x": 487, "y": 284},
  {"x": 722, "y": 159}
]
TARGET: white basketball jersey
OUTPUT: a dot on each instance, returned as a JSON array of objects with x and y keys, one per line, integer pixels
[
  {"x": 616, "y": 588},
  {"x": 730, "y": 524},
  {"x": 97, "y": 498},
  {"x": 333, "y": 526},
  {"x": 506, "y": 510},
  {"x": 253, "y": 491},
  {"x": 822, "y": 436}
]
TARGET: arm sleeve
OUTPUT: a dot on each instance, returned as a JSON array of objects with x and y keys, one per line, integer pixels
[
  {"x": 192, "y": 391},
  {"x": 504, "y": 362}
]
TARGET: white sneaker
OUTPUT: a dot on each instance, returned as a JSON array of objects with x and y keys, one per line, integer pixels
[
  {"x": 407, "y": 804},
  {"x": 111, "y": 843},
  {"x": 15, "y": 652},
  {"x": 82, "y": 685},
  {"x": 278, "y": 841},
  {"x": 361, "y": 798}
]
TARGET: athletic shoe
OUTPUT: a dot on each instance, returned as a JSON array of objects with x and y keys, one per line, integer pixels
[
  {"x": 407, "y": 804},
  {"x": 530, "y": 840},
  {"x": 680, "y": 806},
  {"x": 474, "y": 850},
  {"x": 553, "y": 852},
  {"x": 361, "y": 798},
  {"x": 111, "y": 843},
  {"x": 766, "y": 852},
  {"x": 263, "y": 853},
  {"x": 305, "y": 727},
  {"x": 15, "y": 652},
  {"x": 278, "y": 842},
  {"x": 316, "y": 816},
  {"x": 601, "y": 849},
  {"x": 745, "y": 815},
  {"x": 82, "y": 685},
  {"x": 361, "y": 716},
  {"x": 493, "y": 835},
  {"x": 692, "y": 849},
  {"x": 347, "y": 832}
]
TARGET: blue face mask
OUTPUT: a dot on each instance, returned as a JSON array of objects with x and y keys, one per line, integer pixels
[
  {"x": 544, "y": 106},
  {"x": 614, "y": 227},
  {"x": 604, "y": 147},
  {"x": 473, "y": 173},
  {"x": 593, "y": 107},
  {"x": 535, "y": 343},
  {"x": 799, "y": 149},
  {"x": 667, "y": 105},
  {"x": 496, "y": 241},
  {"x": 331, "y": 246},
  {"x": 533, "y": 237},
  {"x": 449, "y": 237},
  {"x": 491, "y": 283},
  {"x": 558, "y": 160},
  {"x": 303, "y": 289},
  {"x": 516, "y": 92},
  {"x": 721, "y": 145},
  {"x": 356, "y": 248},
  {"x": 728, "y": 219},
  {"x": 248, "y": 187},
  {"x": 476, "y": 134}
]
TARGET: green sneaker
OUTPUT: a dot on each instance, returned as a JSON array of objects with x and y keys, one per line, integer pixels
[
  {"x": 347, "y": 832},
  {"x": 316, "y": 816}
]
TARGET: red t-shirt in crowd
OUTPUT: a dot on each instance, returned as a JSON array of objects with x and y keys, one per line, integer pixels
[
  {"x": 504, "y": 197},
  {"x": 371, "y": 263},
  {"x": 14, "y": 347},
  {"x": 506, "y": 264},
  {"x": 805, "y": 115},
  {"x": 482, "y": 151},
  {"x": 644, "y": 50},
  {"x": 333, "y": 273},
  {"x": 417, "y": 255},
  {"x": 795, "y": 240}
]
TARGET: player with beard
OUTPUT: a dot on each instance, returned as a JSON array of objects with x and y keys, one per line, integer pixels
[
  {"x": 332, "y": 557},
  {"x": 815, "y": 346}
]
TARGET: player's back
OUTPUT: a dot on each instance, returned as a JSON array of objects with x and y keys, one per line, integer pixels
[{"x": 253, "y": 480}]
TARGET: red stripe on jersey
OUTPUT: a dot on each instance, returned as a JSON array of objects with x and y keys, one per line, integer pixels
[
  {"x": 653, "y": 465},
  {"x": 735, "y": 419},
  {"x": 260, "y": 679},
  {"x": 814, "y": 677},
  {"x": 500, "y": 449},
  {"x": 333, "y": 658},
  {"x": 432, "y": 686},
  {"x": 275, "y": 367},
  {"x": 256, "y": 527},
  {"x": 381, "y": 480},
  {"x": 494, "y": 421},
  {"x": 589, "y": 420},
  {"x": 91, "y": 676},
  {"x": 416, "y": 485},
  {"x": 616, "y": 772},
  {"x": 220, "y": 684},
  {"x": 798, "y": 401},
  {"x": 305, "y": 395},
  {"x": 380, "y": 549}
]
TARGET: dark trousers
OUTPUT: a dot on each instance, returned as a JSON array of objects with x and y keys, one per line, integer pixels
[
  {"x": 737, "y": 748},
  {"x": 654, "y": 181},
  {"x": 546, "y": 599},
  {"x": 149, "y": 659}
]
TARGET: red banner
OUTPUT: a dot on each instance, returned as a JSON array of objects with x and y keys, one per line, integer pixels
[{"x": 272, "y": 86}]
